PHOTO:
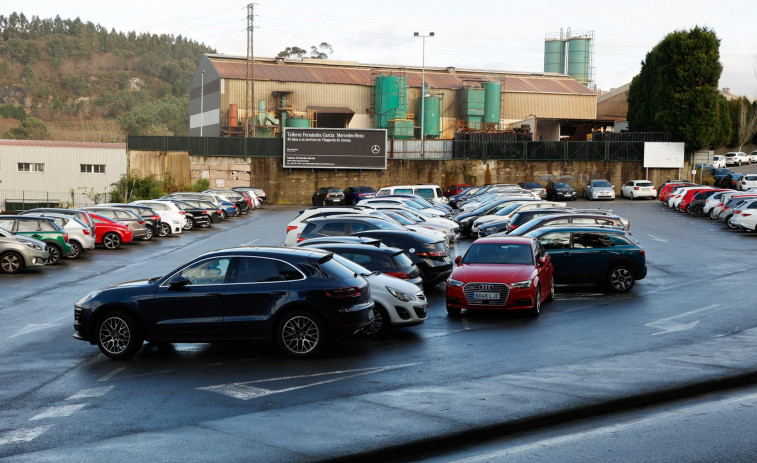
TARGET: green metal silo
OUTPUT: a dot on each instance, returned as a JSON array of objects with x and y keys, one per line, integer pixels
[
  {"x": 298, "y": 122},
  {"x": 554, "y": 56},
  {"x": 391, "y": 99},
  {"x": 492, "y": 99},
  {"x": 579, "y": 56},
  {"x": 431, "y": 116}
]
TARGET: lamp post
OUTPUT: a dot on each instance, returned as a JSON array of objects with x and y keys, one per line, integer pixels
[{"x": 423, "y": 91}]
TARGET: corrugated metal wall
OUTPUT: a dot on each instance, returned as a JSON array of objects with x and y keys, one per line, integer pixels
[
  {"x": 521, "y": 105},
  {"x": 62, "y": 177}
]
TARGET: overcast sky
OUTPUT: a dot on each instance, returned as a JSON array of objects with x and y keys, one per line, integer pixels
[{"x": 485, "y": 34}]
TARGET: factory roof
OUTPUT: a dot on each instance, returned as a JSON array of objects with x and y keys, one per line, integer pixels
[{"x": 350, "y": 73}]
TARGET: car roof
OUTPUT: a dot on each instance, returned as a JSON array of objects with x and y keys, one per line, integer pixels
[
  {"x": 268, "y": 251},
  {"x": 367, "y": 248},
  {"x": 26, "y": 217},
  {"x": 575, "y": 228},
  {"x": 506, "y": 239}
]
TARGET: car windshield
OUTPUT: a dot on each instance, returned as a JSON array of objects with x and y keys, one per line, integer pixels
[
  {"x": 508, "y": 209},
  {"x": 358, "y": 269},
  {"x": 499, "y": 253},
  {"x": 602, "y": 183},
  {"x": 561, "y": 185},
  {"x": 385, "y": 225}
]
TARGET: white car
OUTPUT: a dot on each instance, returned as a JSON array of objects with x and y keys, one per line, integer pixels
[
  {"x": 391, "y": 296},
  {"x": 718, "y": 161},
  {"x": 638, "y": 189},
  {"x": 748, "y": 220},
  {"x": 745, "y": 208},
  {"x": 753, "y": 156},
  {"x": 599, "y": 189},
  {"x": 737, "y": 158},
  {"x": 80, "y": 236},
  {"x": 747, "y": 181},
  {"x": 419, "y": 214},
  {"x": 402, "y": 202},
  {"x": 172, "y": 218},
  {"x": 712, "y": 202}
]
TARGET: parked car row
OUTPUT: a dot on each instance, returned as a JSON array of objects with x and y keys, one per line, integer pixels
[
  {"x": 69, "y": 233},
  {"x": 735, "y": 209}
]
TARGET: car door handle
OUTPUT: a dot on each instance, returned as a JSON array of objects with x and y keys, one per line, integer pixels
[{"x": 566, "y": 254}]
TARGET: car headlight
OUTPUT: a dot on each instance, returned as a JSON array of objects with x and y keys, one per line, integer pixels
[
  {"x": 87, "y": 298},
  {"x": 454, "y": 283},
  {"x": 35, "y": 246},
  {"x": 521, "y": 284},
  {"x": 401, "y": 295}
]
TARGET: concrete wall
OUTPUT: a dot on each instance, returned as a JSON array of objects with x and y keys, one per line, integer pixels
[
  {"x": 158, "y": 163},
  {"x": 296, "y": 186}
]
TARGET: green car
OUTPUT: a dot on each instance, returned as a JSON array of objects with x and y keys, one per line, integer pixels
[
  {"x": 608, "y": 257},
  {"x": 41, "y": 228}
]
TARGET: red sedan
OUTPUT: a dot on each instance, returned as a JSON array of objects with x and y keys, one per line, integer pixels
[
  {"x": 501, "y": 273},
  {"x": 110, "y": 233}
]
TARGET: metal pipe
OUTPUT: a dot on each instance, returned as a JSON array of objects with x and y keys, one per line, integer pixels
[{"x": 423, "y": 92}]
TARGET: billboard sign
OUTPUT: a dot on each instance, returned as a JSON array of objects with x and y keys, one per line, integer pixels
[
  {"x": 334, "y": 148},
  {"x": 664, "y": 154}
]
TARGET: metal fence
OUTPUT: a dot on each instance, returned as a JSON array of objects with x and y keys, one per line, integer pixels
[
  {"x": 485, "y": 150},
  {"x": 209, "y": 146},
  {"x": 21, "y": 200}
]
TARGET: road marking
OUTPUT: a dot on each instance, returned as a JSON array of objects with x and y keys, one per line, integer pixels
[
  {"x": 669, "y": 325},
  {"x": 31, "y": 328},
  {"x": 19, "y": 436},
  {"x": 89, "y": 393},
  {"x": 245, "y": 390},
  {"x": 250, "y": 243},
  {"x": 59, "y": 411},
  {"x": 657, "y": 239},
  {"x": 112, "y": 374}
]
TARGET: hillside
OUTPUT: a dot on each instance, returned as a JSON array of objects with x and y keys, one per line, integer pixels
[{"x": 86, "y": 83}]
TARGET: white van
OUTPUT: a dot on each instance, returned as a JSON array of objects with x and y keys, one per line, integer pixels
[{"x": 431, "y": 192}]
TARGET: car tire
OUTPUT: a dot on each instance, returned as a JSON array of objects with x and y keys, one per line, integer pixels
[
  {"x": 300, "y": 334},
  {"x": 712, "y": 214},
  {"x": 149, "y": 235},
  {"x": 729, "y": 223},
  {"x": 111, "y": 240},
  {"x": 453, "y": 312},
  {"x": 165, "y": 229},
  {"x": 75, "y": 250},
  {"x": 118, "y": 335},
  {"x": 55, "y": 253},
  {"x": 11, "y": 262},
  {"x": 620, "y": 279},
  {"x": 551, "y": 296},
  {"x": 536, "y": 309},
  {"x": 190, "y": 223},
  {"x": 697, "y": 211},
  {"x": 381, "y": 323},
  {"x": 206, "y": 224},
  {"x": 224, "y": 215}
]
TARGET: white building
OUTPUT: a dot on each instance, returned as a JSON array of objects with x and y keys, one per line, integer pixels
[{"x": 69, "y": 174}]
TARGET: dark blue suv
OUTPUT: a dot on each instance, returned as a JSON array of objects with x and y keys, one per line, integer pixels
[
  {"x": 604, "y": 256},
  {"x": 353, "y": 194}
]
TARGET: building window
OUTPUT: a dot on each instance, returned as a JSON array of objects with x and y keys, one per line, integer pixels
[
  {"x": 92, "y": 168},
  {"x": 31, "y": 167}
]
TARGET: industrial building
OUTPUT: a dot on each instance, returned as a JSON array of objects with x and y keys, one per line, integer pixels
[
  {"x": 71, "y": 174},
  {"x": 335, "y": 94}
]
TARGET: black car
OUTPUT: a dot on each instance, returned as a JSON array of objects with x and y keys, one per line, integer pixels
[
  {"x": 466, "y": 219},
  {"x": 196, "y": 216},
  {"x": 430, "y": 255},
  {"x": 343, "y": 225},
  {"x": 560, "y": 190},
  {"x": 581, "y": 219},
  {"x": 300, "y": 297},
  {"x": 353, "y": 194},
  {"x": 391, "y": 261},
  {"x": 215, "y": 214},
  {"x": 328, "y": 196},
  {"x": 696, "y": 206}
]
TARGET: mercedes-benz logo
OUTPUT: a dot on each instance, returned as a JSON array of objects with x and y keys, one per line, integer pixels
[{"x": 375, "y": 149}]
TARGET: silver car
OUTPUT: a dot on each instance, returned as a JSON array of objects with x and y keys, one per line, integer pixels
[
  {"x": 599, "y": 189},
  {"x": 19, "y": 252}
]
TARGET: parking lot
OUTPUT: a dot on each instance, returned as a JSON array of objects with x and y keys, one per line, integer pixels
[{"x": 63, "y": 396}]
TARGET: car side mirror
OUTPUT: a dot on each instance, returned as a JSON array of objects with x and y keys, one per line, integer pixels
[
  {"x": 178, "y": 282},
  {"x": 458, "y": 260}
]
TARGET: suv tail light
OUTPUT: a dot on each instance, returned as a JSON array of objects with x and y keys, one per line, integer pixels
[
  {"x": 86, "y": 231},
  {"x": 182, "y": 213},
  {"x": 141, "y": 222},
  {"x": 299, "y": 238},
  {"x": 156, "y": 217},
  {"x": 291, "y": 227},
  {"x": 401, "y": 275},
  {"x": 65, "y": 237},
  {"x": 432, "y": 254},
  {"x": 341, "y": 293}
]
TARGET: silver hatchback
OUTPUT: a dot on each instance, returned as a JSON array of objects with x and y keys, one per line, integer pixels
[{"x": 19, "y": 252}]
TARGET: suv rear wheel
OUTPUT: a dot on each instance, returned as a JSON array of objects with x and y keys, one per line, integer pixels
[
  {"x": 300, "y": 334},
  {"x": 620, "y": 279}
]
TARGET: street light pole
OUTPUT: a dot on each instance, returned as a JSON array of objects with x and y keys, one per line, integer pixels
[
  {"x": 423, "y": 92},
  {"x": 202, "y": 99}
]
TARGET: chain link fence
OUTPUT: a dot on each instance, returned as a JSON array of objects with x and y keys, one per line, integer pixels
[{"x": 21, "y": 200}]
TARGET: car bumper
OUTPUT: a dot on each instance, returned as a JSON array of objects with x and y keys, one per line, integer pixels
[{"x": 517, "y": 299}]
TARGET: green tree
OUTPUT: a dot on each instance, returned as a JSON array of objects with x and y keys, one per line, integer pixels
[
  {"x": 30, "y": 128},
  {"x": 132, "y": 187},
  {"x": 166, "y": 116},
  {"x": 292, "y": 52},
  {"x": 28, "y": 72},
  {"x": 724, "y": 129},
  {"x": 322, "y": 51},
  {"x": 676, "y": 90}
]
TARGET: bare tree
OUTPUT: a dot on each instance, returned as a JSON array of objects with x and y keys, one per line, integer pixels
[{"x": 747, "y": 124}]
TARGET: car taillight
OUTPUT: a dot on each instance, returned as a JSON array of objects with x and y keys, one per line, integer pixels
[
  {"x": 746, "y": 214},
  {"x": 218, "y": 211},
  {"x": 402, "y": 275},
  {"x": 432, "y": 254},
  {"x": 512, "y": 227},
  {"x": 636, "y": 188},
  {"x": 341, "y": 293},
  {"x": 65, "y": 237},
  {"x": 736, "y": 211},
  {"x": 141, "y": 222},
  {"x": 182, "y": 213},
  {"x": 204, "y": 212},
  {"x": 156, "y": 217},
  {"x": 86, "y": 231},
  {"x": 291, "y": 227},
  {"x": 299, "y": 238},
  {"x": 234, "y": 207}
]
